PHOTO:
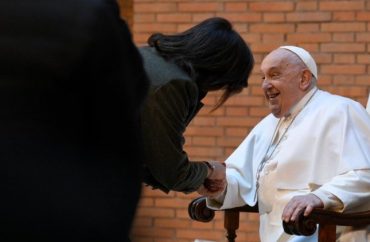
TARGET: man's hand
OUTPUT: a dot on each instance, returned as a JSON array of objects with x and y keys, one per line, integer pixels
[
  {"x": 202, "y": 190},
  {"x": 215, "y": 184},
  {"x": 297, "y": 204}
]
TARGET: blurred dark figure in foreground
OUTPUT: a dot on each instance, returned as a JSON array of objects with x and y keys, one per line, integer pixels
[{"x": 71, "y": 86}]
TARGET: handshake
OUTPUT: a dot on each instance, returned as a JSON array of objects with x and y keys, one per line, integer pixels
[{"x": 215, "y": 183}]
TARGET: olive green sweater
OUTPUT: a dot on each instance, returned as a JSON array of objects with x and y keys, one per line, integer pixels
[{"x": 172, "y": 103}]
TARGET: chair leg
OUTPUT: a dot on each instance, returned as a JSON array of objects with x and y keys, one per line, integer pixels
[
  {"x": 327, "y": 233},
  {"x": 231, "y": 224}
]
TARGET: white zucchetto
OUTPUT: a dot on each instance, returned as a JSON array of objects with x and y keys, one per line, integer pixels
[{"x": 304, "y": 56}]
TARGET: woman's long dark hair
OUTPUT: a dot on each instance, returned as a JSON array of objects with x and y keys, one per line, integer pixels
[{"x": 212, "y": 53}]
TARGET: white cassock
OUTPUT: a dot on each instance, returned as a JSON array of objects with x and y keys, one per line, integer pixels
[{"x": 325, "y": 150}]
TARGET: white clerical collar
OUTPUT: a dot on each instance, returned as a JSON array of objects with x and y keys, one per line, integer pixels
[{"x": 301, "y": 103}]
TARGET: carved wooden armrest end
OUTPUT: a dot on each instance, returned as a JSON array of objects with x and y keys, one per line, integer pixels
[
  {"x": 307, "y": 225},
  {"x": 302, "y": 226},
  {"x": 199, "y": 211}
]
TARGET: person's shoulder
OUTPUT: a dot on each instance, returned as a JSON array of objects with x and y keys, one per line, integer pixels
[
  {"x": 159, "y": 70},
  {"x": 334, "y": 103},
  {"x": 338, "y": 100},
  {"x": 144, "y": 50},
  {"x": 151, "y": 55}
]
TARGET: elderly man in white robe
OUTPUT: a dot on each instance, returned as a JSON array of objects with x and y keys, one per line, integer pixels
[{"x": 312, "y": 151}]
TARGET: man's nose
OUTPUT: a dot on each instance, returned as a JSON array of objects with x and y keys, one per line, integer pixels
[{"x": 266, "y": 84}]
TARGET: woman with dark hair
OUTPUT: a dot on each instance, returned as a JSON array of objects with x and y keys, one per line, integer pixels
[{"x": 182, "y": 69}]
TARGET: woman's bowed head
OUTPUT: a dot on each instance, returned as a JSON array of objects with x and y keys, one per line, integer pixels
[{"x": 212, "y": 53}]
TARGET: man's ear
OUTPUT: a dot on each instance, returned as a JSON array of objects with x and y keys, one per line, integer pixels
[{"x": 306, "y": 80}]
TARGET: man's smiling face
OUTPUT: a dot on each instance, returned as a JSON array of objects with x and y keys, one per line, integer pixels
[{"x": 281, "y": 75}]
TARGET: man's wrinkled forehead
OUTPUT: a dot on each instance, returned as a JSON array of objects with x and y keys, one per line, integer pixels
[{"x": 276, "y": 59}]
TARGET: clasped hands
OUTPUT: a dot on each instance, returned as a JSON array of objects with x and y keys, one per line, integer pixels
[{"x": 215, "y": 184}]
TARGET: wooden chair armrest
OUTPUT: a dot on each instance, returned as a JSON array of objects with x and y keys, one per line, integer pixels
[
  {"x": 325, "y": 220},
  {"x": 199, "y": 211},
  {"x": 307, "y": 225},
  {"x": 245, "y": 208}
]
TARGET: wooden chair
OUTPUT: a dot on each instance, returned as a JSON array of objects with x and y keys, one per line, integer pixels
[{"x": 325, "y": 221}]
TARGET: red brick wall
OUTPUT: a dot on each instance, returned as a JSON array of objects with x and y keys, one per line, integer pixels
[
  {"x": 337, "y": 33},
  {"x": 126, "y": 9}
]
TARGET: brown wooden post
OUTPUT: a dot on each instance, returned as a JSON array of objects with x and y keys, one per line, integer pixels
[
  {"x": 327, "y": 233},
  {"x": 231, "y": 224}
]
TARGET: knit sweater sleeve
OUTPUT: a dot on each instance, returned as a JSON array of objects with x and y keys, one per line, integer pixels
[{"x": 165, "y": 118}]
